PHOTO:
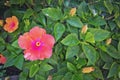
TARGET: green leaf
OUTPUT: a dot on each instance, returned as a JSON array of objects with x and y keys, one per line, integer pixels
[
  {"x": 71, "y": 67},
  {"x": 41, "y": 18},
  {"x": 45, "y": 67},
  {"x": 39, "y": 77},
  {"x": 15, "y": 44},
  {"x": 58, "y": 77},
  {"x": 75, "y": 22},
  {"x": 88, "y": 77},
  {"x": 98, "y": 73},
  {"x": 109, "y": 6},
  {"x": 112, "y": 24},
  {"x": 118, "y": 21},
  {"x": 59, "y": 29},
  {"x": 2, "y": 47},
  {"x": 119, "y": 46},
  {"x": 67, "y": 76},
  {"x": 90, "y": 53},
  {"x": 53, "y": 13},
  {"x": 81, "y": 62},
  {"x": 33, "y": 70},
  {"x": 70, "y": 40},
  {"x": 97, "y": 21},
  {"x": 2, "y": 40},
  {"x": 99, "y": 34},
  {"x": 23, "y": 75},
  {"x": 113, "y": 70},
  {"x": 89, "y": 37},
  {"x": 72, "y": 51},
  {"x": 111, "y": 50},
  {"x": 19, "y": 60},
  {"x": 107, "y": 65},
  {"x": 28, "y": 13},
  {"x": 10, "y": 60},
  {"x": 105, "y": 57},
  {"x": 82, "y": 10},
  {"x": 77, "y": 77},
  {"x": 116, "y": 11}
]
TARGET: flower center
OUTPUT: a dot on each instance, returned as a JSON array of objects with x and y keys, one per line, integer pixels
[
  {"x": 38, "y": 43},
  {"x": 12, "y": 24}
]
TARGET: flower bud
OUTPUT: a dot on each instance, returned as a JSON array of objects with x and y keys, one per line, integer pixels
[
  {"x": 72, "y": 11},
  {"x": 49, "y": 77},
  {"x": 84, "y": 29},
  {"x": 108, "y": 41},
  {"x": 1, "y": 22},
  {"x": 88, "y": 69}
]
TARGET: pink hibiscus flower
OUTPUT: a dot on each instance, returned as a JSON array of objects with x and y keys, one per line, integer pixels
[{"x": 37, "y": 44}]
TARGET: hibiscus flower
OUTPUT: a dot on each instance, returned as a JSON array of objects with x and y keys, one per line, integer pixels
[
  {"x": 37, "y": 44},
  {"x": 11, "y": 24}
]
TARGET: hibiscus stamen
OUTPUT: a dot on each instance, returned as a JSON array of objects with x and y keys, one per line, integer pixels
[{"x": 38, "y": 43}]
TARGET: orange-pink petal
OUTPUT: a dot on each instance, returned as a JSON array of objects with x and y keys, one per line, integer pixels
[
  {"x": 25, "y": 41},
  {"x": 37, "y": 32},
  {"x": 45, "y": 52},
  {"x": 48, "y": 40}
]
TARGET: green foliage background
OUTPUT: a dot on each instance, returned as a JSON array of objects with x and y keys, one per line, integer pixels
[{"x": 73, "y": 50}]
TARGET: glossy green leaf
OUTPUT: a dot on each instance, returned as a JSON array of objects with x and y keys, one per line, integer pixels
[
  {"x": 77, "y": 77},
  {"x": 116, "y": 10},
  {"x": 23, "y": 75},
  {"x": 28, "y": 13},
  {"x": 70, "y": 40},
  {"x": 75, "y": 22},
  {"x": 105, "y": 57},
  {"x": 71, "y": 67},
  {"x": 107, "y": 65},
  {"x": 97, "y": 21},
  {"x": 89, "y": 37},
  {"x": 88, "y": 77},
  {"x": 90, "y": 53},
  {"x": 15, "y": 44},
  {"x": 39, "y": 77},
  {"x": 98, "y": 73},
  {"x": 10, "y": 60},
  {"x": 45, "y": 67},
  {"x": 41, "y": 18},
  {"x": 113, "y": 70},
  {"x": 99, "y": 34},
  {"x": 82, "y": 10},
  {"x": 112, "y": 25},
  {"x": 109, "y": 6},
  {"x": 19, "y": 60},
  {"x": 33, "y": 70},
  {"x": 118, "y": 21},
  {"x": 67, "y": 76},
  {"x": 58, "y": 77},
  {"x": 59, "y": 29},
  {"x": 119, "y": 46},
  {"x": 111, "y": 50},
  {"x": 53, "y": 13},
  {"x": 72, "y": 51},
  {"x": 81, "y": 62},
  {"x": 2, "y": 47}
]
